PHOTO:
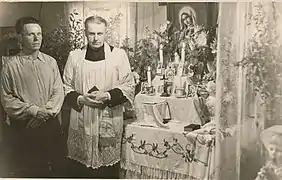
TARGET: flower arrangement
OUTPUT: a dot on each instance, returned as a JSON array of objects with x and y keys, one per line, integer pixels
[
  {"x": 113, "y": 26},
  {"x": 200, "y": 49},
  {"x": 143, "y": 55},
  {"x": 66, "y": 37},
  {"x": 264, "y": 56}
]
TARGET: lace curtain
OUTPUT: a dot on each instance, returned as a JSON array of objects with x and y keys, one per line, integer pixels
[{"x": 240, "y": 112}]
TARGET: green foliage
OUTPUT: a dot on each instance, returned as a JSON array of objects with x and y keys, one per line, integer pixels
[
  {"x": 200, "y": 45},
  {"x": 145, "y": 54},
  {"x": 66, "y": 37},
  {"x": 112, "y": 33},
  {"x": 264, "y": 57}
]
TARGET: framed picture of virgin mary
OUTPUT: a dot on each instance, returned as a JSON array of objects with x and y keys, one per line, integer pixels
[{"x": 188, "y": 14}]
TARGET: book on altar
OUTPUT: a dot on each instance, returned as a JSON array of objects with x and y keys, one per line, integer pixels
[{"x": 192, "y": 127}]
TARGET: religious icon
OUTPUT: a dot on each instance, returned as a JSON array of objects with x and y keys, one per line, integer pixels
[
  {"x": 190, "y": 14},
  {"x": 170, "y": 74},
  {"x": 159, "y": 68},
  {"x": 144, "y": 87},
  {"x": 187, "y": 18}
]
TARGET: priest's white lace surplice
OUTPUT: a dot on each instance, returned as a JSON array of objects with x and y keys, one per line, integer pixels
[{"x": 95, "y": 135}]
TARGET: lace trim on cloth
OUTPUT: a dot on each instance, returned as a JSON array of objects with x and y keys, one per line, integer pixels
[
  {"x": 81, "y": 147},
  {"x": 136, "y": 171}
]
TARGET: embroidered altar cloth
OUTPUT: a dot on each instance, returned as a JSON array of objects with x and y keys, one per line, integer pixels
[{"x": 149, "y": 152}]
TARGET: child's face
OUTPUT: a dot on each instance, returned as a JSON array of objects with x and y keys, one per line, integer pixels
[{"x": 275, "y": 154}]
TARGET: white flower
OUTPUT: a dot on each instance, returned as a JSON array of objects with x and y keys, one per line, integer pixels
[
  {"x": 197, "y": 28},
  {"x": 211, "y": 87},
  {"x": 163, "y": 27},
  {"x": 136, "y": 77},
  {"x": 155, "y": 43},
  {"x": 201, "y": 39}
]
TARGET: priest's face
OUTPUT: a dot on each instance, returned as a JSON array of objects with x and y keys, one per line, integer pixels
[{"x": 95, "y": 34}]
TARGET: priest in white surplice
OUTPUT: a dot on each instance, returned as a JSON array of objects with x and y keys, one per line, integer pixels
[{"x": 98, "y": 81}]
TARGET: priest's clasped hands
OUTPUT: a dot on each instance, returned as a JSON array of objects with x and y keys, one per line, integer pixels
[{"x": 95, "y": 99}]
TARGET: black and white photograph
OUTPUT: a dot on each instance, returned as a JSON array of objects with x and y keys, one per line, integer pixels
[{"x": 141, "y": 89}]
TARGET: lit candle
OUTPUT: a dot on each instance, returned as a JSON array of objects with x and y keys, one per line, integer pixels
[
  {"x": 183, "y": 53},
  {"x": 149, "y": 77},
  {"x": 161, "y": 53}
]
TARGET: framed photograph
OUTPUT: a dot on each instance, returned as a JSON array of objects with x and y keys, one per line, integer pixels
[{"x": 144, "y": 86}]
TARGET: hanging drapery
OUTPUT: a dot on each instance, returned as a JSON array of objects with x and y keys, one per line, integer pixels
[
  {"x": 245, "y": 31},
  {"x": 230, "y": 80},
  {"x": 149, "y": 15}
]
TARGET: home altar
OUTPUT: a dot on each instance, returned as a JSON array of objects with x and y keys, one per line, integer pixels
[
  {"x": 160, "y": 142},
  {"x": 155, "y": 144}
]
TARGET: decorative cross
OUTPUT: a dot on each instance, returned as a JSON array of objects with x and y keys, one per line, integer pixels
[{"x": 165, "y": 94}]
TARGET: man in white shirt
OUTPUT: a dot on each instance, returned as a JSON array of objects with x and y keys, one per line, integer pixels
[{"x": 32, "y": 95}]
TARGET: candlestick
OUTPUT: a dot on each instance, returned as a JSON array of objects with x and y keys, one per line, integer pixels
[
  {"x": 183, "y": 52},
  {"x": 161, "y": 54},
  {"x": 163, "y": 71},
  {"x": 149, "y": 77}
]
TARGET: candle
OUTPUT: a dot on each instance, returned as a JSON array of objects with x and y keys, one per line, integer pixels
[
  {"x": 183, "y": 53},
  {"x": 161, "y": 54},
  {"x": 149, "y": 77}
]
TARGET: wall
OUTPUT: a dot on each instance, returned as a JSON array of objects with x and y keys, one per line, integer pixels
[
  {"x": 11, "y": 11},
  {"x": 48, "y": 13},
  {"x": 52, "y": 13},
  {"x": 150, "y": 15}
]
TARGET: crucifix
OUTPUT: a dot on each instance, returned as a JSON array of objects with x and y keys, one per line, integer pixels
[{"x": 165, "y": 93}]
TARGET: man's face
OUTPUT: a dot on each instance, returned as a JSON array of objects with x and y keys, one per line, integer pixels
[
  {"x": 31, "y": 37},
  {"x": 95, "y": 34}
]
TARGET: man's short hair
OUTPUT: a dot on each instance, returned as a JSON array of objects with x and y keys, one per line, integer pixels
[
  {"x": 95, "y": 19},
  {"x": 23, "y": 21}
]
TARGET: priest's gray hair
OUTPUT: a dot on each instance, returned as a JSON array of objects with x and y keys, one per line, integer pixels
[{"x": 95, "y": 19}]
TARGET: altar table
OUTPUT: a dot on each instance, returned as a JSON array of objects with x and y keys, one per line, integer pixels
[
  {"x": 155, "y": 153},
  {"x": 181, "y": 109}
]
